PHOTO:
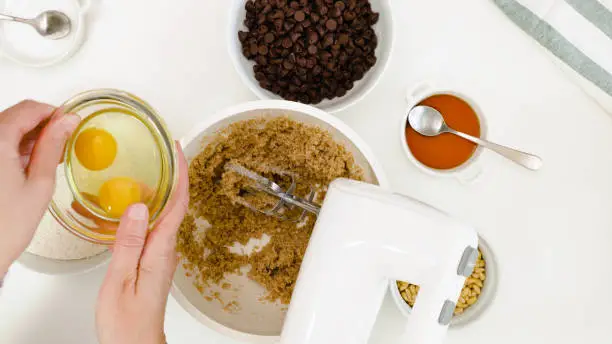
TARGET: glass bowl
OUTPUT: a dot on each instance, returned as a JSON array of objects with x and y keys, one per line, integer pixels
[{"x": 67, "y": 203}]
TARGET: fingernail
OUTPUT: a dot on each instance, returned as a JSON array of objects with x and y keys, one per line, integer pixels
[{"x": 138, "y": 212}]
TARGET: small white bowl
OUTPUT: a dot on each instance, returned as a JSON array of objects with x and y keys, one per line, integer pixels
[
  {"x": 36, "y": 51},
  {"x": 258, "y": 322},
  {"x": 476, "y": 310},
  {"x": 470, "y": 170},
  {"x": 384, "y": 31}
]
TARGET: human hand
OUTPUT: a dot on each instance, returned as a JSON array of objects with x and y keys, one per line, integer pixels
[
  {"x": 132, "y": 302},
  {"x": 31, "y": 146}
]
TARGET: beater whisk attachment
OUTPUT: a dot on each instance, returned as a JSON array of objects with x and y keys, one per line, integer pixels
[{"x": 287, "y": 200}]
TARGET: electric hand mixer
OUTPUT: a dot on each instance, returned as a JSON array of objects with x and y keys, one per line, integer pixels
[{"x": 365, "y": 236}]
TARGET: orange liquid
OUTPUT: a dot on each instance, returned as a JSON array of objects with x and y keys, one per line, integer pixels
[{"x": 446, "y": 151}]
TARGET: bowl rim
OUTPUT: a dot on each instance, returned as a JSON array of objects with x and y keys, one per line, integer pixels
[
  {"x": 308, "y": 110},
  {"x": 234, "y": 24}
]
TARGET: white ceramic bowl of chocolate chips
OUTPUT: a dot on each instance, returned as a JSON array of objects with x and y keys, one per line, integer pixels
[{"x": 325, "y": 53}]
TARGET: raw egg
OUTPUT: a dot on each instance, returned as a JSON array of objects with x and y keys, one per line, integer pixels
[
  {"x": 117, "y": 194},
  {"x": 96, "y": 149}
]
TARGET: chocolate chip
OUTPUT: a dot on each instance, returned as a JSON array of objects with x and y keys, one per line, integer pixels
[
  {"x": 328, "y": 40},
  {"x": 374, "y": 18},
  {"x": 288, "y": 65},
  {"x": 242, "y": 36},
  {"x": 287, "y": 43},
  {"x": 250, "y": 6},
  {"x": 301, "y": 62},
  {"x": 343, "y": 38},
  {"x": 313, "y": 37},
  {"x": 278, "y": 25},
  {"x": 311, "y": 62},
  {"x": 269, "y": 37},
  {"x": 331, "y": 25},
  {"x": 261, "y": 60},
  {"x": 349, "y": 16},
  {"x": 300, "y": 16},
  {"x": 262, "y": 30},
  {"x": 253, "y": 49},
  {"x": 289, "y": 25},
  {"x": 325, "y": 56}
]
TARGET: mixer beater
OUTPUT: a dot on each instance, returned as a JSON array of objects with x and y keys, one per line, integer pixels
[{"x": 286, "y": 197}]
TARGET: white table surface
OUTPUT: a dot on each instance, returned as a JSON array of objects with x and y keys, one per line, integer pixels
[{"x": 551, "y": 230}]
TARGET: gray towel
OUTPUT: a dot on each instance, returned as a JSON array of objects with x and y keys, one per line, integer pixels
[{"x": 577, "y": 32}]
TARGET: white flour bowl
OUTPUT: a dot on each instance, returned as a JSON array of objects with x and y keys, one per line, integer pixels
[
  {"x": 55, "y": 251},
  {"x": 259, "y": 322},
  {"x": 50, "y": 266}
]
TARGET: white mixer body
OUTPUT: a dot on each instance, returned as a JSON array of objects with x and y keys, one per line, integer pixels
[{"x": 364, "y": 237}]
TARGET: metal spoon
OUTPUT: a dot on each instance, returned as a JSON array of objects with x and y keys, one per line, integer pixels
[
  {"x": 429, "y": 122},
  {"x": 49, "y": 24}
]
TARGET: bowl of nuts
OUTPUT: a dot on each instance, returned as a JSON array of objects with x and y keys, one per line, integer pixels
[
  {"x": 326, "y": 53},
  {"x": 476, "y": 295}
]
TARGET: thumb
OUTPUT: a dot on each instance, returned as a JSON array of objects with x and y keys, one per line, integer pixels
[
  {"x": 46, "y": 156},
  {"x": 131, "y": 238}
]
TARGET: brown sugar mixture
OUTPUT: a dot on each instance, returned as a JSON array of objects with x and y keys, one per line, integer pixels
[{"x": 262, "y": 146}]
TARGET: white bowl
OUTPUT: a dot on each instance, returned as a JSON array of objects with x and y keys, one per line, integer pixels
[
  {"x": 50, "y": 266},
  {"x": 470, "y": 170},
  {"x": 383, "y": 29},
  {"x": 476, "y": 310},
  {"x": 258, "y": 322},
  {"x": 49, "y": 230},
  {"x": 36, "y": 51}
]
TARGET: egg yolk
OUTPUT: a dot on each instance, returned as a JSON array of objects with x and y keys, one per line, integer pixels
[
  {"x": 117, "y": 194},
  {"x": 96, "y": 149}
]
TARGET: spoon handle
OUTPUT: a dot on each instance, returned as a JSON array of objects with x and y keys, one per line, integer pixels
[
  {"x": 526, "y": 160},
  {"x": 15, "y": 19}
]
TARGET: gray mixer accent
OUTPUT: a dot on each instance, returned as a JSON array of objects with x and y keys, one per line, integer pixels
[
  {"x": 468, "y": 262},
  {"x": 446, "y": 315}
]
